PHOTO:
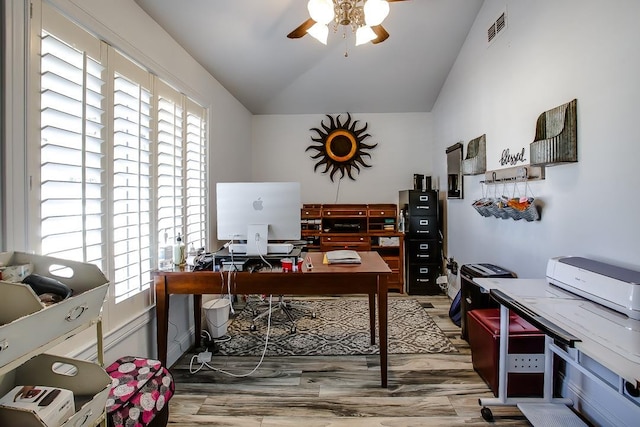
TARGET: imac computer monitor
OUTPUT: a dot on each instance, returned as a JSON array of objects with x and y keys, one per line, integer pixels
[{"x": 256, "y": 215}]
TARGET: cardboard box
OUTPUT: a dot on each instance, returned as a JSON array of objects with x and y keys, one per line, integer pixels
[
  {"x": 27, "y": 327},
  {"x": 50, "y": 405},
  {"x": 86, "y": 381}
]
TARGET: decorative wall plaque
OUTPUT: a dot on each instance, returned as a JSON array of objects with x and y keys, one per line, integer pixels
[
  {"x": 476, "y": 161},
  {"x": 556, "y": 138},
  {"x": 340, "y": 147}
]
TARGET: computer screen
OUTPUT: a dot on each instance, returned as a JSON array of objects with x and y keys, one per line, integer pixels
[{"x": 245, "y": 208}]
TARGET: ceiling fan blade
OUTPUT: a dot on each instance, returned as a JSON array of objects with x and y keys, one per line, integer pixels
[
  {"x": 302, "y": 29},
  {"x": 381, "y": 34}
]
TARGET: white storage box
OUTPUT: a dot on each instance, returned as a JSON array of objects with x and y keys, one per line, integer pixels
[
  {"x": 88, "y": 382},
  {"x": 26, "y": 325},
  {"x": 52, "y": 406}
]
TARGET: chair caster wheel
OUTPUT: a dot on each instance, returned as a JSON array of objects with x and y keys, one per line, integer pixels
[
  {"x": 293, "y": 330},
  {"x": 486, "y": 413},
  {"x": 253, "y": 328}
]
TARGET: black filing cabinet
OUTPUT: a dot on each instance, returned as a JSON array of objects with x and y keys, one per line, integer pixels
[
  {"x": 472, "y": 296},
  {"x": 423, "y": 241}
]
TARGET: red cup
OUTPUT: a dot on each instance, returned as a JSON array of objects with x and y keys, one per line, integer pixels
[
  {"x": 299, "y": 264},
  {"x": 287, "y": 264}
]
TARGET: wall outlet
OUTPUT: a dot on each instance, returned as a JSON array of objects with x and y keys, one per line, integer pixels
[{"x": 452, "y": 265}]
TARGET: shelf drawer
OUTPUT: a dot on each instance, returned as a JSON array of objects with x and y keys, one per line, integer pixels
[
  {"x": 356, "y": 243},
  {"x": 382, "y": 211},
  {"x": 422, "y": 251},
  {"x": 423, "y": 203},
  {"x": 421, "y": 279},
  {"x": 310, "y": 212},
  {"x": 423, "y": 227},
  {"x": 345, "y": 213}
]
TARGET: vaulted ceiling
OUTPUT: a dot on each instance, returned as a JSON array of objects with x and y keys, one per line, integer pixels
[{"x": 243, "y": 44}]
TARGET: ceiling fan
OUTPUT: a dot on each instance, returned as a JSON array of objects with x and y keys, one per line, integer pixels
[{"x": 363, "y": 16}]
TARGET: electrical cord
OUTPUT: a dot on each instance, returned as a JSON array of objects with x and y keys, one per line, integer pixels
[{"x": 222, "y": 371}]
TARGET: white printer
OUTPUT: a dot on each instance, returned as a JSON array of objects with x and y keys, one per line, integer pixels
[{"x": 614, "y": 287}]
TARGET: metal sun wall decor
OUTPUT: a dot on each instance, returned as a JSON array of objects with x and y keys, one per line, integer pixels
[{"x": 340, "y": 147}]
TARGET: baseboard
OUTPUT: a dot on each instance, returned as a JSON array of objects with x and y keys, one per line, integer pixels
[
  {"x": 110, "y": 340},
  {"x": 179, "y": 345}
]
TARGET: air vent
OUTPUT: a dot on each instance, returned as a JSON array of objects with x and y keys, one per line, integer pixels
[{"x": 497, "y": 27}]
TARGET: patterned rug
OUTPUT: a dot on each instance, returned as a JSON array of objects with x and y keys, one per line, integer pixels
[{"x": 341, "y": 327}]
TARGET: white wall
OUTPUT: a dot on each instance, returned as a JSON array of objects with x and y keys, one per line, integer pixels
[
  {"x": 550, "y": 53},
  {"x": 404, "y": 140}
]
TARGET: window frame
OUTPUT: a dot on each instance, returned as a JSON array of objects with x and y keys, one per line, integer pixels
[{"x": 115, "y": 314}]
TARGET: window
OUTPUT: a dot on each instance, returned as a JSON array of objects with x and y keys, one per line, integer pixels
[
  {"x": 132, "y": 254},
  {"x": 72, "y": 187},
  {"x": 122, "y": 159}
]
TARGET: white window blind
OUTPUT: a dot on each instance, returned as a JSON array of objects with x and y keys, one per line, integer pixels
[
  {"x": 196, "y": 174},
  {"x": 170, "y": 168},
  {"x": 132, "y": 254},
  {"x": 122, "y": 161},
  {"x": 72, "y": 187}
]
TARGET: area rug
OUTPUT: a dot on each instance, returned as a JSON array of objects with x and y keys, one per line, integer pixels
[{"x": 341, "y": 327}]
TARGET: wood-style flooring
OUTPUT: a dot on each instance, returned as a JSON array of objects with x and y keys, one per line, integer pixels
[{"x": 338, "y": 391}]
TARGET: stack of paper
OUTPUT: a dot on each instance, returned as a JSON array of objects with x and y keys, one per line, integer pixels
[{"x": 343, "y": 257}]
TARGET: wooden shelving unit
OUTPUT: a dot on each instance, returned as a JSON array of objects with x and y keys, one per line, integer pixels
[{"x": 361, "y": 227}]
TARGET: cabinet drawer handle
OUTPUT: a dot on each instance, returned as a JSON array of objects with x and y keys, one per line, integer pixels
[
  {"x": 423, "y": 231},
  {"x": 76, "y": 312},
  {"x": 422, "y": 256},
  {"x": 424, "y": 246},
  {"x": 424, "y": 222},
  {"x": 424, "y": 270},
  {"x": 424, "y": 198},
  {"x": 423, "y": 280}
]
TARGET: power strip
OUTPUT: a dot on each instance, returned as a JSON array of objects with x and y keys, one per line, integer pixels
[{"x": 204, "y": 357}]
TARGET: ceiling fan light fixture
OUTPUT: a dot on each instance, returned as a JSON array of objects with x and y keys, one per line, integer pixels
[
  {"x": 375, "y": 11},
  {"x": 319, "y": 32},
  {"x": 364, "y": 35},
  {"x": 321, "y": 11}
]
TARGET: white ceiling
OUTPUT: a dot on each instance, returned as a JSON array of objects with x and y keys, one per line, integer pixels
[{"x": 243, "y": 44}]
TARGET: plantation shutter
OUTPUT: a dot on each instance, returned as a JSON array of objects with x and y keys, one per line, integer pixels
[
  {"x": 132, "y": 193},
  {"x": 72, "y": 147},
  {"x": 169, "y": 184},
  {"x": 196, "y": 174}
]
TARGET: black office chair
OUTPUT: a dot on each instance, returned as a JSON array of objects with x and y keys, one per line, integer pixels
[{"x": 288, "y": 308}]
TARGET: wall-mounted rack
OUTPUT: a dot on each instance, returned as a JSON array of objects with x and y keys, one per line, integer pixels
[{"x": 516, "y": 173}]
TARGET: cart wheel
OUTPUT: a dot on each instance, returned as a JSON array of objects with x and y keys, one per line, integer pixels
[
  {"x": 253, "y": 328},
  {"x": 293, "y": 330},
  {"x": 486, "y": 413}
]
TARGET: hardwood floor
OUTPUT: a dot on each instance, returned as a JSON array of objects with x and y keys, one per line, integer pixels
[{"x": 333, "y": 391}]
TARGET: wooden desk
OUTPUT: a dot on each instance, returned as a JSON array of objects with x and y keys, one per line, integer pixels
[{"x": 370, "y": 277}]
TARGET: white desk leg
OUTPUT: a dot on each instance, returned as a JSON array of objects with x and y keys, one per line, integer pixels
[{"x": 503, "y": 399}]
